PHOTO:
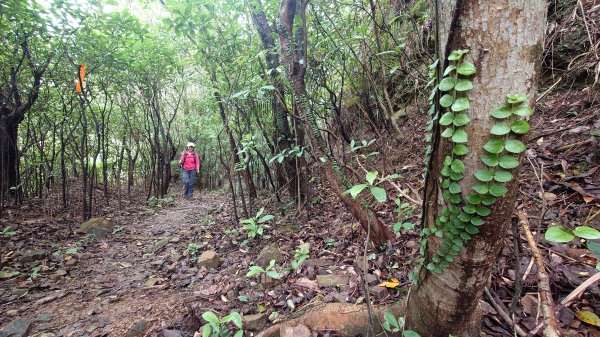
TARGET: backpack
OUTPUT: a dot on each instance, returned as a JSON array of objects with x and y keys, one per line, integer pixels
[{"x": 185, "y": 154}]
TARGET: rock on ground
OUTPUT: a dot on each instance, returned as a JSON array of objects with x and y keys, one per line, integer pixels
[
  {"x": 100, "y": 227},
  {"x": 17, "y": 328}
]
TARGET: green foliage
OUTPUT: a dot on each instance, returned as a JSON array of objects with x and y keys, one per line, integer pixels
[
  {"x": 562, "y": 234},
  {"x": 255, "y": 226},
  {"x": 7, "y": 231},
  {"x": 300, "y": 256},
  {"x": 193, "y": 249},
  {"x": 220, "y": 327},
  {"x": 405, "y": 211},
  {"x": 269, "y": 271},
  {"x": 153, "y": 201},
  {"x": 378, "y": 192},
  {"x": 393, "y": 324},
  {"x": 464, "y": 212}
]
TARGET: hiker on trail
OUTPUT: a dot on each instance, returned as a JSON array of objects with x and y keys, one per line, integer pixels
[{"x": 190, "y": 164}]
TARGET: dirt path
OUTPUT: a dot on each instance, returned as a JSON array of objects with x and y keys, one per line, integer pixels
[{"x": 136, "y": 276}]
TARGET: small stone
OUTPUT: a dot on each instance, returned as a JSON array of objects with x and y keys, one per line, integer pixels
[
  {"x": 209, "y": 259},
  {"x": 61, "y": 272},
  {"x": 172, "y": 333},
  {"x": 371, "y": 279},
  {"x": 100, "y": 227},
  {"x": 139, "y": 328},
  {"x": 174, "y": 239},
  {"x": 33, "y": 255},
  {"x": 254, "y": 322},
  {"x": 332, "y": 280},
  {"x": 12, "y": 312},
  {"x": 296, "y": 331},
  {"x": 379, "y": 292},
  {"x": 17, "y": 328},
  {"x": 361, "y": 264},
  {"x": 266, "y": 282},
  {"x": 44, "y": 317},
  {"x": 270, "y": 252},
  {"x": 318, "y": 262}
]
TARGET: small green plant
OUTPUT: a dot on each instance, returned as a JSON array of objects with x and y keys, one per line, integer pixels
[
  {"x": 562, "y": 234},
  {"x": 218, "y": 327},
  {"x": 193, "y": 249},
  {"x": 71, "y": 250},
  {"x": 256, "y": 225},
  {"x": 393, "y": 324},
  {"x": 269, "y": 271},
  {"x": 35, "y": 273},
  {"x": 118, "y": 230},
  {"x": 161, "y": 202},
  {"x": 300, "y": 256},
  {"x": 404, "y": 210},
  {"x": 7, "y": 231},
  {"x": 378, "y": 192},
  {"x": 329, "y": 242}
]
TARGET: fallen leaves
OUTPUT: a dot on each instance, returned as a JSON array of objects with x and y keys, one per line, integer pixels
[{"x": 588, "y": 317}]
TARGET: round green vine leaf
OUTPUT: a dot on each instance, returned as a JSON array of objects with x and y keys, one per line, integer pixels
[
  {"x": 484, "y": 175},
  {"x": 587, "y": 232},
  {"x": 463, "y": 85},
  {"x": 449, "y": 132},
  {"x": 446, "y": 100},
  {"x": 516, "y": 98},
  {"x": 469, "y": 209},
  {"x": 515, "y": 146},
  {"x": 466, "y": 69},
  {"x": 500, "y": 129},
  {"x": 461, "y": 120},
  {"x": 473, "y": 199},
  {"x": 501, "y": 113},
  {"x": 477, "y": 221},
  {"x": 483, "y": 211},
  {"x": 447, "y": 84},
  {"x": 460, "y": 136},
  {"x": 460, "y": 104},
  {"x": 520, "y": 127},
  {"x": 464, "y": 217},
  {"x": 497, "y": 190},
  {"x": 558, "y": 234},
  {"x": 480, "y": 188},
  {"x": 455, "y": 176},
  {"x": 490, "y": 160},
  {"x": 494, "y": 146},
  {"x": 447, "y": 118},
  {"x": 454, "y": 188},
  {"x": 523, "y": 111},
  {"x": 472, "y": 229},
  {"x": 488, "y": 200},
  {"x": 455, "y": 199},
  {"x": 460, "y": 150},
  {"x": 502, "y": 176},
  {"x": 508, "y": 162},
  {"x": 457, "y": 166},
  {"x": 465, "y": 236},
  {"x": 449, "y": 69},
  {"x": 445, "y": 171},
  {"x": 456, "y": 55}
]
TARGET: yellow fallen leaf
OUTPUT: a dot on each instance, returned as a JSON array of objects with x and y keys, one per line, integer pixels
[
  {"x": 208, "y": 236},
  {"x": 390, "y": 284},
  {"x": 588, "y": 317}
]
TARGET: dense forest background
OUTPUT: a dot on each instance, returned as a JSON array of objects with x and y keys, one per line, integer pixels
[{"x": 315, "y": 113}]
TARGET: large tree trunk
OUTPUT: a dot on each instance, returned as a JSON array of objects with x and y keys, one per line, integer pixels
[{"x": 505, "y": 42}]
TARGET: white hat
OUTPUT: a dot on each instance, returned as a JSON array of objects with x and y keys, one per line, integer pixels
[{"x": 190, "y": 144}]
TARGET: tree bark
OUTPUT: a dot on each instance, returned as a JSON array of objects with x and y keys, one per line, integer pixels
[{"x": 505, "y": 42}]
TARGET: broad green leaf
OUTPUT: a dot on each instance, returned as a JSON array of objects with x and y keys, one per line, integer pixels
[
  {"x": 508, "y": 162},
  {"x": 520, "y": 127},
  {"x": 588, "y": 317},
  {"x": 447, "y": 118},
  {"x": 523, "y": 111},
  {"x": 594, "y": 247},
  {"x": 449, "y": 69},
  {"x": 273, "y": 274},
  {"x": 484, "y": 175},
  {"x": 460, "y": 136},
  {"x": 389, "y": 317},
  {"x": 460, "y": 150},
  {"x": 490, "y": 159},
  {"x": 516, "y": 98},
  {"x": 502, "y": 176},
  {"x": 473, "y": 199},
  {"x": 466, "y": 69},
  {"x": 465, "y": 236},
  {"x": 447, "y": 84},
  {"x": 497, "y": 190},
  {"x": 587, "y": 232},
  {"x": 448, "y": 132},
  {"x": 457, "y": 166},
  {"x": 501, "y": 113},
  {"x": 355, "y": 190},
  {"x": 472, "y": 229},
  {"x": 480, "y": 188},
  {"x": 469, "y": 209},
  {"x": 446, "y": 100},
  {"x": 463, "y": 85},
  {"x": 206, "y": 330},
  {"x": 488, "y": 200},
  {"x": 558, "y": 234},
  {"x": 514, "y": 146},
  {"x": 210, "y": 317},
  {"x": 494, "y": 146},
  {"x": 265, "y": 218},
  {"x": 370, "y": 176},
  {"x": 234, "y": 317},
  {"x": 461, "y": 119},
  {"x": 500, "y": 129},
  {"x": 379, "y": 193},
  {"x": 254, "y": 270},
  {"x": 477, "y": 221},
  {"x": 455, "y": 55},
  {"x": 483, "y": 211},
  {"x": 240, "y": 333},
  {"x": 454, "y": 188},
  {"x": 461, "y": 103}
]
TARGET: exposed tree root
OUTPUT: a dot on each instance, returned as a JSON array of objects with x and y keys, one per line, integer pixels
[{"x": 344, "y": 319}]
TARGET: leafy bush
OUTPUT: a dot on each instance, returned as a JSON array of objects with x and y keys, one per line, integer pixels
[
  {"x": 256, "y": 225},
  {"x": 217, "y": 327}
]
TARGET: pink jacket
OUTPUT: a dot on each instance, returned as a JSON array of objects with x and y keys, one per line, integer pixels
[{"x": 190, "y": 161}]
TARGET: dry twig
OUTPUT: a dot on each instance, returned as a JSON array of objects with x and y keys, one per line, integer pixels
[{"x": 504, "y": 314}]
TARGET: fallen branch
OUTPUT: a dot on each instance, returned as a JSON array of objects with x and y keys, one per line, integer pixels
[
  {"x": 579, "y": 290},
  {"x": 548, "y": 310},
  {"x": 504, "y": 314},
  {"x": 344, "y": 319}
]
